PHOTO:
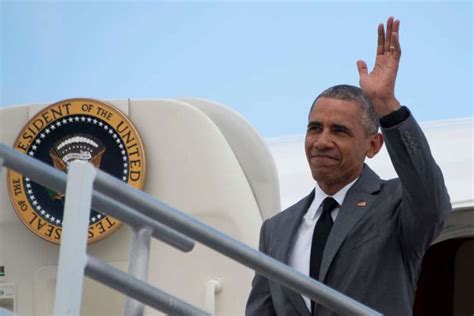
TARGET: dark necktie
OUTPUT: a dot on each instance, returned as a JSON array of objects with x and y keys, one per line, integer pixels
[{"x": 320, "y": 236}]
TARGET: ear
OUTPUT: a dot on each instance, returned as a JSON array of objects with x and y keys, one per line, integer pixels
[{"x": 376, "y": 143}]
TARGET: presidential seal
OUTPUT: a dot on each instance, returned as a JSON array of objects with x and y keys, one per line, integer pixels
[{"x": 65, "y": 131}]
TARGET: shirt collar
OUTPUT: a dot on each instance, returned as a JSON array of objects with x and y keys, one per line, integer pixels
[{"x": 320, "y": 195}]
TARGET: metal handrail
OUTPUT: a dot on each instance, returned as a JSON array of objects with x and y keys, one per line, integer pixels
[
  {"x": 72, "y": 255},
  {"x": 185, "y": 224},
  {"x": 246, "y": 255},
  {"x": 139, "y": 290},
  {"x": 134, "y": 218},
  {"x": 56, "y": 180}
]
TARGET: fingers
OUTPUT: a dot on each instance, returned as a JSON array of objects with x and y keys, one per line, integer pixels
[
  {"x": 388, "y": 36},
  {"x": 386, "y": 41},
  {"x": 380, "y": 40},
  {"x": 396, "y": 26},
  {"x": 362, "y": 68},
  {"x": 396, "y": 45},
  {"x": 394, "y": 42}
]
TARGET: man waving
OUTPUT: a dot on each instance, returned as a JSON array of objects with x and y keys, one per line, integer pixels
[{"x": 359, "y": 234}]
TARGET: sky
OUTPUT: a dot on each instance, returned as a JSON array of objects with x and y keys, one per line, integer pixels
[{"x": 267, "y": 60}]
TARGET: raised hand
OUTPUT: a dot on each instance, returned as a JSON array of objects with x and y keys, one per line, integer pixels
[{"x": 379, "y": 84}]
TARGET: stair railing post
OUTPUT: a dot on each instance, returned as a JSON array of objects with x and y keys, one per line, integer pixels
[{"x": 72, "y": 254}]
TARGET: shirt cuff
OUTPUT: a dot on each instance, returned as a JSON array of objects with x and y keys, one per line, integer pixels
[{"x": 395, "y": 118}]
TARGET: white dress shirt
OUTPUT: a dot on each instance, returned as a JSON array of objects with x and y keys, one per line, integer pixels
[{"x": 301, "y": 250}]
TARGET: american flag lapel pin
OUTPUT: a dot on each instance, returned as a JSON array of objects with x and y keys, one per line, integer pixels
[{"x": 362, "y": 203}]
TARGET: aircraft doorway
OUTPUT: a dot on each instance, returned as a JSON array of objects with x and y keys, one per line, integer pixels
[{"x": 446, "y": 283}]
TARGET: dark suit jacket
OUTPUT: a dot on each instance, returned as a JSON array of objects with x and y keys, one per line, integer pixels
[{"x": 374, "y": 251}]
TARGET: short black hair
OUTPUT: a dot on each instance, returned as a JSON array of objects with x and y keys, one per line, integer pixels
[{"x": 370, "y": 119}]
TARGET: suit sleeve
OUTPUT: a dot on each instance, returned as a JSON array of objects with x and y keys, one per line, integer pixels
[
  {"x": 260, "y": 300},
  {"x": 425, "y": 202}
]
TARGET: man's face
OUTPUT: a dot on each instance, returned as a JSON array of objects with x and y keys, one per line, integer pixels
[{"x": 337, "y": 143}]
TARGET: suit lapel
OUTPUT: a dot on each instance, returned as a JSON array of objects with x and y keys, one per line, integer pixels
[
  {"x": 358, "y": 200},
  {"x": 291, "y": 225}
]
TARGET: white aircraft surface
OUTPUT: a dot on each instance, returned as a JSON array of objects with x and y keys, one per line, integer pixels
[{"x": 207, "y": 161}]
